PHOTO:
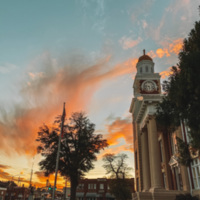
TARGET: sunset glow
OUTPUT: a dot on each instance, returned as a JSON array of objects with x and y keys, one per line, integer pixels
[{"x": 83, "y": 53}]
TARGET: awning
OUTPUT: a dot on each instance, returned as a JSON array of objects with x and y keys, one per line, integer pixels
[
  {"x": 91, "y": 194},
  {"x": 80, "y": 194},
  {"x": 108, "y": 195}
]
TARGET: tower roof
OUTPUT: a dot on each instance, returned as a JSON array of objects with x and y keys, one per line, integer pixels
[{"x": 144, "y": 57}]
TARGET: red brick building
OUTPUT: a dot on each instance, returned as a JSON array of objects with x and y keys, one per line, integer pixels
[
  {"x": 96, "y": 189},
  {"x": 17, "y": 193},
  {"x": 2, "y": 193}
]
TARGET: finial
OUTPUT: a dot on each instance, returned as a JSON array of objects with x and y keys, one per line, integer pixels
[{"x": 144, "y": 51}]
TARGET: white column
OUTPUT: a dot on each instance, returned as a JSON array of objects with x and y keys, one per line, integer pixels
[
  {"x": 145, "y": 162},
  {"x": 154, "y": 155}
]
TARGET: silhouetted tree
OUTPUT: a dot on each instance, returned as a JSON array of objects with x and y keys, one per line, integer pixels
[
  {"x": 116, "y": 166},
  {"x": 79, "y": 147},
  {"x": 182, "y": 90}
]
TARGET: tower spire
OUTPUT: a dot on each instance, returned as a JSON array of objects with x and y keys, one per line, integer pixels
[{"x": 144, "y": 51}]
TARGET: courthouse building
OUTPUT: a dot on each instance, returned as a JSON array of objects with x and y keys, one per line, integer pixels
[{"x": 158, "y": 174}]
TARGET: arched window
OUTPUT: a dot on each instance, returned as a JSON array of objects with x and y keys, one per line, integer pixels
[
  {"x": 146, "y": 69},
  {"x": 141, "y": 70}
]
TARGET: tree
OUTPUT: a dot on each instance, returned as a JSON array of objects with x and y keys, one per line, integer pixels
[
  {"x": 116, "y": 166},
  {"x": 182, "y": 89},
  {"x": 79, "y": 147}
]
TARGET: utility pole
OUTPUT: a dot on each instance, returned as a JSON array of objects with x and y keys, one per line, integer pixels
[
  {"x": 31, "y": 171},
  {"x": 58, "y": 153},
  {"x": 65, "y": 192}
]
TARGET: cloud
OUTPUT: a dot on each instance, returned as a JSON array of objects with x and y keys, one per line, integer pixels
[
  {"x": 7, "y": 67},
  {"x": 35, "y": 75},
  {"x": 162, "y": 52},
  {"x": 168, "y": 48},
  {"x": 128, "y": 42},
  {"x": 120, "y": 129},
  {"x": 144, "y": 24},
  {"x": 4, "y": 175},
  {"x": 43, "y": 179},
  {"x": 74, "y": 81},
  {"x": 166, "y": 73},
  {"x": 4, "y": 166},
  {"x": 176, "y": 46}
]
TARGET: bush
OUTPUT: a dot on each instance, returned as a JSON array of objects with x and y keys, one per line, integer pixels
[{"x": 186, "y": 197}]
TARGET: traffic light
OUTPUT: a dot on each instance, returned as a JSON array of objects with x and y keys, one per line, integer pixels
[{"x": 50, "y": 188}]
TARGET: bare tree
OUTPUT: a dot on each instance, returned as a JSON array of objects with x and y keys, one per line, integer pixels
[{"x": 116, "y": 166}]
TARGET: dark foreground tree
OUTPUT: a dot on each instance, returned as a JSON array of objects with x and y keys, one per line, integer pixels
[
  {"x": 116, "y": 167},
  {"x": 183, "y": 89},
  {"x": 79, "y": 147},
  {"x": 186, "y": 197}
]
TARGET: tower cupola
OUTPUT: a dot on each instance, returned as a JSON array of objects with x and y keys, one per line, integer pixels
[{"x": 145, "y": 64}]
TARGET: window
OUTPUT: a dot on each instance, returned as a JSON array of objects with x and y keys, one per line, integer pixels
[
  {"x": 91, "y": 186},
  {"x": 141, "y": 70},
  {"x": 164, "y": 179},
  {"x": 137, "y": 184},
  {"x": 101, "y": 186},
  {"x": 146, "y": 68},
  {"x": 172, "y": 143},
  {"x": 161, "y": 150},
  {"x": 196, "y": 172},
  {"x": 151, "y": 69},
  {"x": 136, "y": 162},
  {"x": 80, "y": 186}
]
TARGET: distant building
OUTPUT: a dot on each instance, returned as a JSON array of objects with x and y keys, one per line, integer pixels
[
  {"x": 96, "y": 189},
  {"x": 2, "y": 193},
  {"x": 66, "y": 193},
  {"x": 17, "y": 193}
]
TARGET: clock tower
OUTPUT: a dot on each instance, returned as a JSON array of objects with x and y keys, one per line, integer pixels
[
  {"x": 147, "y": 82},
  {"x": 153, "y": 178},
  {"x": 147, "y": 93}
]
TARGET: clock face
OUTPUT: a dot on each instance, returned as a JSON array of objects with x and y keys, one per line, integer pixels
[{"x": 149, "y": 86}]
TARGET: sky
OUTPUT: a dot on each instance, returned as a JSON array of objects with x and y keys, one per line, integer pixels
[{"x": 84, "y": 53}]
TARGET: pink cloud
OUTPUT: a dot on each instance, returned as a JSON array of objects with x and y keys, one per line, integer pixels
[{"x": 127, "y": 42}]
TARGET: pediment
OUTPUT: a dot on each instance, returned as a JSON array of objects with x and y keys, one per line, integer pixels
[{"x": 173, "y": 161}]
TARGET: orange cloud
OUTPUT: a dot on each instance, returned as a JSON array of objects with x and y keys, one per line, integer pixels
[
  {"x": 45, "y": 93},
  {"x": 176, "y": 46},
  {"x": 162, "y": 52},
  {"x": 168, "y": 49},
  {"x": 165, "y": 74},
  {"x": 120, "y": 129},
  {"x": 4, "y": 166},
  {"x": 4, "y": 175}
]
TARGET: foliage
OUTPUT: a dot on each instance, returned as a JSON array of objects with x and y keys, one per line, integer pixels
[
  {"x": 184, "y": 154},
  {"x": 121, "y": 189},
  {"x": 167, "y": 118},
  {"x": 182, "y": 90},
  {"x": 79, "y": 147},
  {"x": 116, "y": 166},
  {"x": 186, "y": 197}
]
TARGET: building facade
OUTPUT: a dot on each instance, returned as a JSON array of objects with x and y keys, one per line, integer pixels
[
  {"x": 2, "y": 193},
  {"x": 17, "y": 193},
  {"x": 158, "y": 174},
  {"x": 96, "y": 189}
]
